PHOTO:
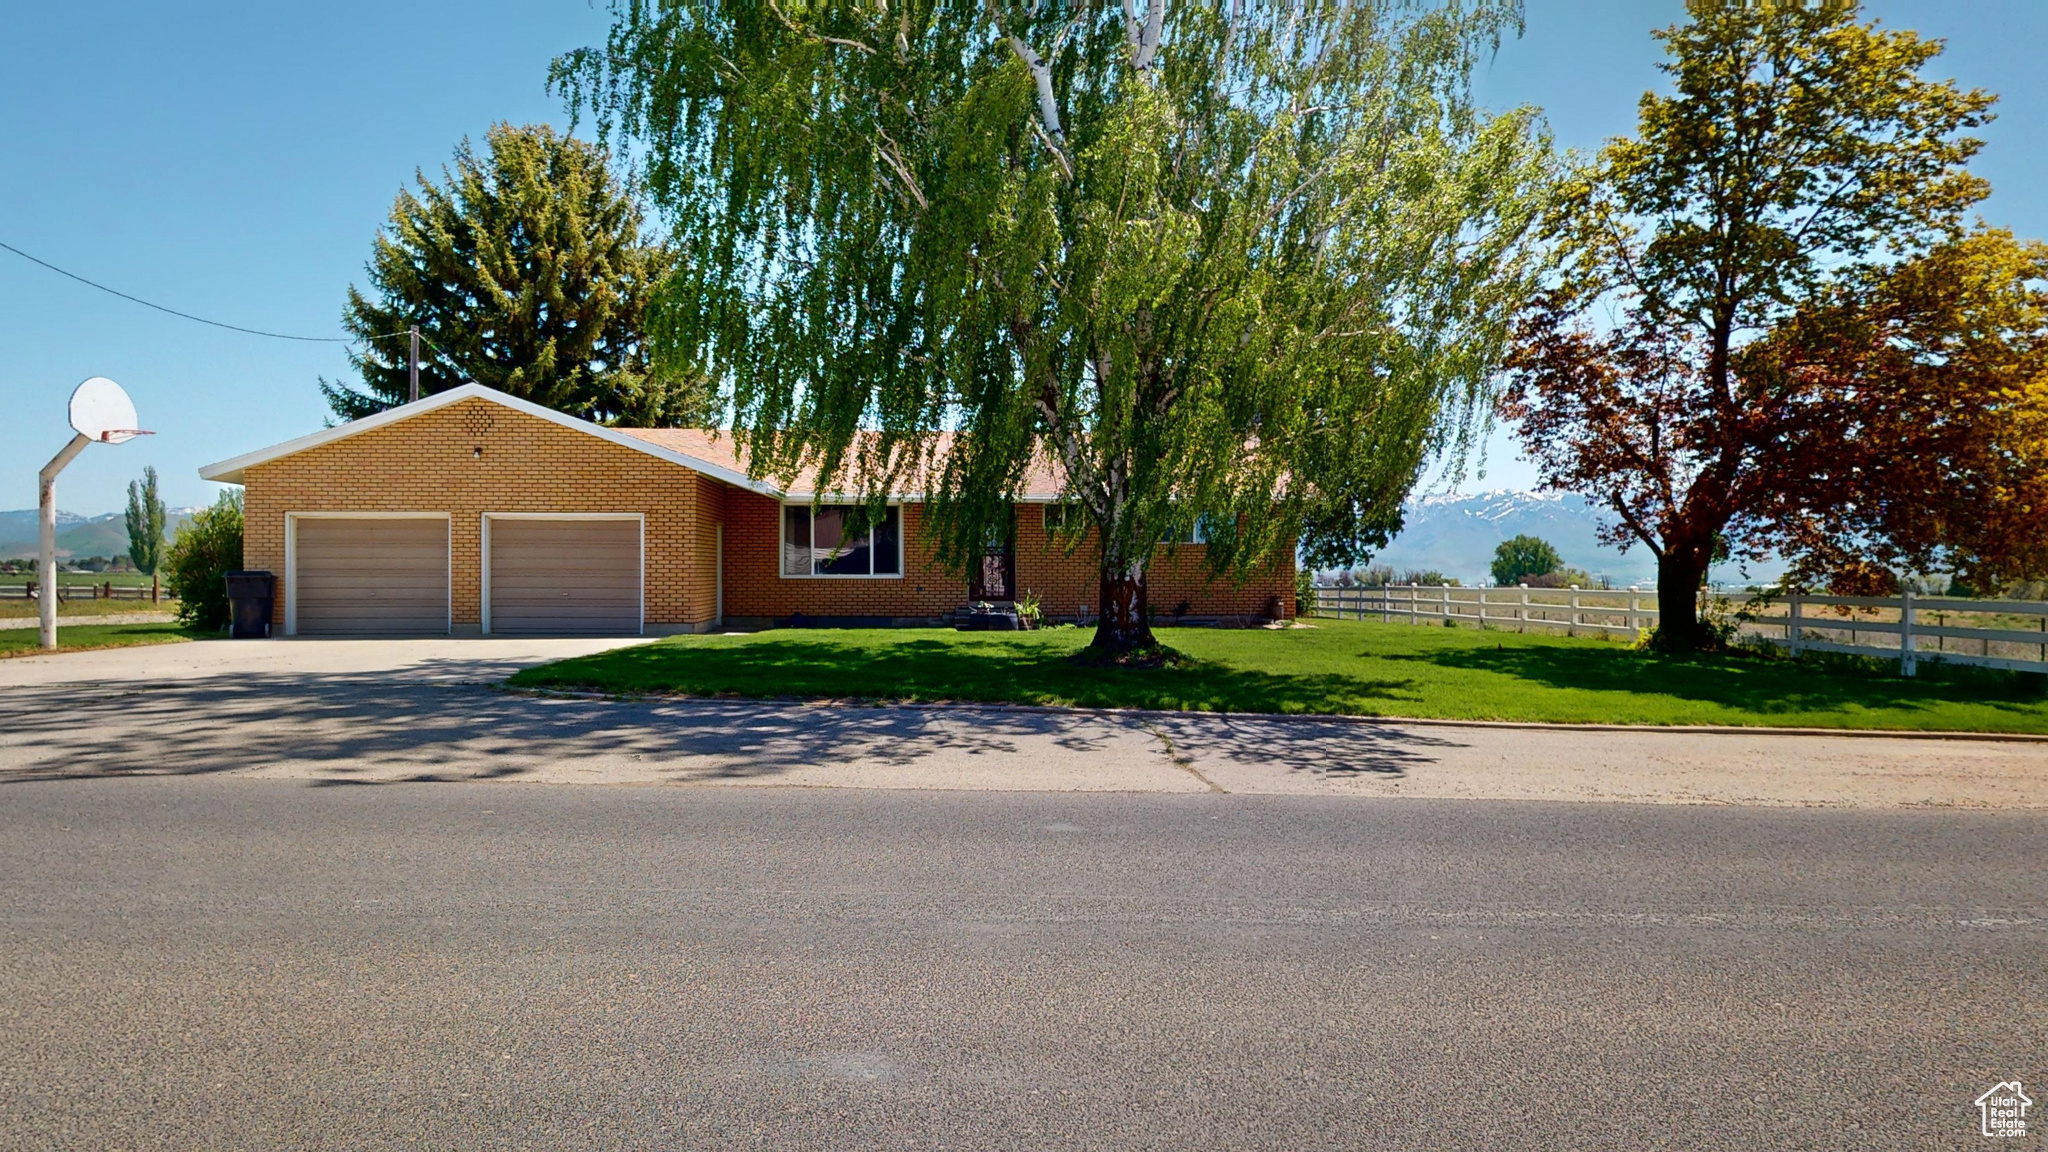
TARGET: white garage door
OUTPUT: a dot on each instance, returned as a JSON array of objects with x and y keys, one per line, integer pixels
[
  {"x": 561, "y": 576},
  {"x": 373, "y": 576}
]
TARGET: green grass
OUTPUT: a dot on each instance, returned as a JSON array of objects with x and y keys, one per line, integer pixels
[
  {"x": 79, "y": 637},
  {"x": 1336, "y": 666}
]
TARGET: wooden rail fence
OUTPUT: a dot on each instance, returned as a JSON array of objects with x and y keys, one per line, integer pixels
[
  {"x": 105, "y": 590},
  {"x": 2007, "y": 634}
]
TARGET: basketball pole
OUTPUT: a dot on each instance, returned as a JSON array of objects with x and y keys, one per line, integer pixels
[{"x": 46, "y": 513}]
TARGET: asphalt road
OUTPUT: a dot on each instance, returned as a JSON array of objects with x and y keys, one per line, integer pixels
[{"x": 221, "y": 962}]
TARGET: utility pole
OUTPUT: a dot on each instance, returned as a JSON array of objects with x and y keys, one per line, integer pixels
[{"x": 414, "y": 361}]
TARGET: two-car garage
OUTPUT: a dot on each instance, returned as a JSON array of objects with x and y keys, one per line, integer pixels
[
  {"x": 471, "y": 511},
  {"x": 390, "y": 574}
]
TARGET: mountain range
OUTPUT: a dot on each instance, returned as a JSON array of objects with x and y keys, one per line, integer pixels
[
  {"x": 1456, "y": 534},
  {"x": 77, "y": 536},
  {"x": 1452, "y": 533}
]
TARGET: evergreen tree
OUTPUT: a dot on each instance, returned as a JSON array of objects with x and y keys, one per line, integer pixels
[
  {"x": 1240, "y": 263},
  {"x": 145, "y": 523},
  {"x": 526, "y": 269}
]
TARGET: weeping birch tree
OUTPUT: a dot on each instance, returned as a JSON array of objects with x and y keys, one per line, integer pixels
[{"x": 1231, "y": 262}]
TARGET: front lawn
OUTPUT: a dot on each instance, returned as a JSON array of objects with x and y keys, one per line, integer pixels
[
  {"x": 79, "y": 637},
  {"x": 1362, "y": 668}
]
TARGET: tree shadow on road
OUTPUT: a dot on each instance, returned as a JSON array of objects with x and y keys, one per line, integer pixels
[{"x": 433, "y": 727}]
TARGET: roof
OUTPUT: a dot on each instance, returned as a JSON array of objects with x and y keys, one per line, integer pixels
[
  {"x": 1041, "y": 480},
  {"x": 712, "y": 453}
]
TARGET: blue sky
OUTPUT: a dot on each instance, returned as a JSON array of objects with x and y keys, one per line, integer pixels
[{"x": 235, "y": 160}]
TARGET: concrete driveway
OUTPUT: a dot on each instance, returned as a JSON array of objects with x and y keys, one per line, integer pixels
[{"x": 383, "y": 711}]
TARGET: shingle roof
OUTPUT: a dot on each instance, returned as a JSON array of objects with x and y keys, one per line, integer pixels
[{"x": 1041, "y": 482}]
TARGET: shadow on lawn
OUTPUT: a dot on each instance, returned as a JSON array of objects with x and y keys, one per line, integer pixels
[
  {"x": 1032, "y": 672},
  {"x": 1760, "y": 685}
]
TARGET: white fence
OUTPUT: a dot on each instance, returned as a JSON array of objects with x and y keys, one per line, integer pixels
[
  {"x": 2008, "y": 634},
  {"x": 1574, "y": 610}
]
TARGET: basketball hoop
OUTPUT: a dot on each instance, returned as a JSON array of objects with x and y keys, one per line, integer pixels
[{"x": 100, "y": 412}]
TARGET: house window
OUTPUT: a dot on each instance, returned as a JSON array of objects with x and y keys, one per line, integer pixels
[
  {"x": 829, "y": 541},
  {"x": 1196, "y": 533},
  {"x": 1065, "y": 519}
]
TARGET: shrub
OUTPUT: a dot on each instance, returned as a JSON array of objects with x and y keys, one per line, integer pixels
[{"x": 206, "y": 549}]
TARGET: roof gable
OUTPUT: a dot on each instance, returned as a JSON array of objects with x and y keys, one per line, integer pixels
[{"x": 718, "y": 465}]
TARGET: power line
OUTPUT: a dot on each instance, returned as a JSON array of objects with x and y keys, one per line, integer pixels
[
  {"x": 449, "y": 360},
  {"x": 173, "y": 311}
]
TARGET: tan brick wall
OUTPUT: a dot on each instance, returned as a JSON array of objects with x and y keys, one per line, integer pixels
[
  {"x": 756, "y": 588},
  {"x": 429, "y": 464},
  {"x": 1064, "y": 583}
]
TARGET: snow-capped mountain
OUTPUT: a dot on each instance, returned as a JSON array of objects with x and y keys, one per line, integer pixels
[
  {"x": 76, "y": 535},
  {"x": 1456, "y": 533}
]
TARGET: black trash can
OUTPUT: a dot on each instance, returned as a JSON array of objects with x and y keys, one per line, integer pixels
[{"x": 249, "y": 598}]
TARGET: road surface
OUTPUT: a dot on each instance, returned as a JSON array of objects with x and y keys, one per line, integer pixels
[{"x": 225, "y": 962}]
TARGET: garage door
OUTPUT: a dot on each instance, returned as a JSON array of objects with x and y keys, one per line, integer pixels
[
  {"x": 370, "y": 576},
  {"x": 557, "y": 576}
]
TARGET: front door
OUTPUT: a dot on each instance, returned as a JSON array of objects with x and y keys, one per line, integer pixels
[{"x": 994, "y": 576}]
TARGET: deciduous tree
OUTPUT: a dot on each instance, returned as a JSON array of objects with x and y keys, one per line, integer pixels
[
  {"x": 1522, "y": 557},
  {"x": 207, "y": 547},
  {"x": 1799, "y": 150},
  {"x": 1926, "y": 443},
  {"x": 1245, "y": 262},
  {"x": 526, "y": 270}
]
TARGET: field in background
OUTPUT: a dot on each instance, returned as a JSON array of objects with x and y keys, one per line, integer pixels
[
  {"x": 86, "y": 594},
  {"x": 19, "y": 580},
  {"x": 73, "y": 609}
]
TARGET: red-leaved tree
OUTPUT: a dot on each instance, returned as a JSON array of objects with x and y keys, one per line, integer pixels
[{"x": 1800, "y": 151}]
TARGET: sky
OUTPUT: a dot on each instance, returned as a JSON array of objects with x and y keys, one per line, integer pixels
[{"x": 236, "y": 160}]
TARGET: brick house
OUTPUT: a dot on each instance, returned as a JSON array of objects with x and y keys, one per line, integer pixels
[{"x": 473, "y": 511}]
